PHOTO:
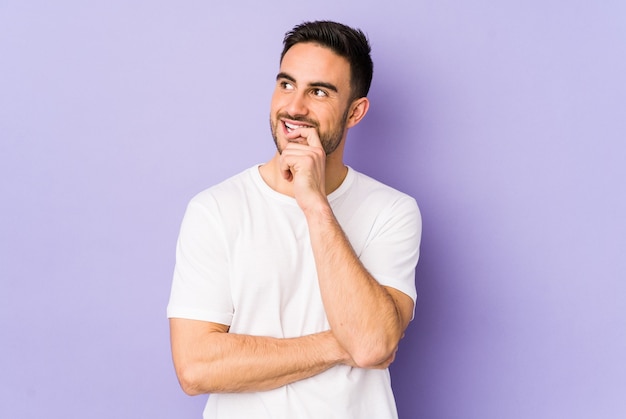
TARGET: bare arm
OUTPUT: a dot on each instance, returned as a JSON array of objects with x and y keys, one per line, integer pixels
[
  {"x": 367, "y": 318},
  {"x": 207, "y": 359}
]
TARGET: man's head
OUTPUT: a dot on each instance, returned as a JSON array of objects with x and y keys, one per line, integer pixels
[
  {"x": 325, "y": 74},
  {"x": 352, "y": 44}
]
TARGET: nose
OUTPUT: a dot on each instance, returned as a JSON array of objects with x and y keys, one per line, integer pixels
[{"x": 297, "y": 105}]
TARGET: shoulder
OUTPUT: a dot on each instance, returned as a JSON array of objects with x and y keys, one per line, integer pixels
[
  {"x": 374, "y": 192},
  {"x": 218, "y": 209},
  {"x": 366, "y": 207},
  {"x": 228, "y": 191}
]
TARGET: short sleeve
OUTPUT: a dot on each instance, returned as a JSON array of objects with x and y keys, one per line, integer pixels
[
  {"x": 392, "y": 251},
  {"x": 200, "y": 287}
]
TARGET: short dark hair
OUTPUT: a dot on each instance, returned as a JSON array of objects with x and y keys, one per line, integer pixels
[{"x": 352, "y": 44}]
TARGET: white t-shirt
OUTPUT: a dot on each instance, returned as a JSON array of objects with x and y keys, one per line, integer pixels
[{"x": 244, "y": 259}]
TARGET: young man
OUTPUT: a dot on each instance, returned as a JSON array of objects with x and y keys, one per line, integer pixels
[{"x": 294, "y": 280}]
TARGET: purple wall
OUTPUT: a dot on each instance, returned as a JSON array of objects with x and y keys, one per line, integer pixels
[{"x": 506, "y": 120}]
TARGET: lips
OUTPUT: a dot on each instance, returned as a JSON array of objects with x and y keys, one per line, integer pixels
[{"x": 290, "y": 126}]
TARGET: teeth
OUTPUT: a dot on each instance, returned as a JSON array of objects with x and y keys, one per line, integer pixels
[{"x": 291, "y": 127}]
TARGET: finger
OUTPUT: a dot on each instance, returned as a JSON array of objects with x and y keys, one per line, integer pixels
[
  {"x": 293, "y": 157},
  {"x": 294, "y": 152},
  {"x": 285, "y": 168},
  {"x": 309, "y": 134}
]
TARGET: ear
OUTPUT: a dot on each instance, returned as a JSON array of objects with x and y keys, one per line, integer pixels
[{"x": 358, "y": 109}]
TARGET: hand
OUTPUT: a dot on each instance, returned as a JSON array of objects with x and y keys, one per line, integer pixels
[{"x": 303, "y": 162}]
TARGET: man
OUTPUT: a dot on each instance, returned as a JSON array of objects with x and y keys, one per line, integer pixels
[{"x": 294, "y": 280}]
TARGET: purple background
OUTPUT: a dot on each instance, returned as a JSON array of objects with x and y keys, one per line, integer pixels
[{"x": 506, "y": 121}]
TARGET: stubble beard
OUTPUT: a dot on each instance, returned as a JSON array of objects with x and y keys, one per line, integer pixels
[{"x": 330, "y": 140}]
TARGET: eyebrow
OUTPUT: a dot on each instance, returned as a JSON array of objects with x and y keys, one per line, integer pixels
[{"x": 323, "y": 84}]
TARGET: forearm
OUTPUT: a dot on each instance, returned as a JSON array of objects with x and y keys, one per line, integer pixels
[
  {"x": 219, "y": 362},
  {"x": 362, "y": 314}
]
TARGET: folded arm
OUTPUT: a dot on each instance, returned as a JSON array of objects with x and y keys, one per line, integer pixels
[
  {"x": 208, "y": 359},
  {"x": 367, "y": 318}
]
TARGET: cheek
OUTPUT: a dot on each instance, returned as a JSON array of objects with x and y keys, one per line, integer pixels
[
  {"x": 273, "y": 105},
  {"x": 333, "y": 120},
  {"x": 278, "y": 100},
  {"x": 274, "y": 102}
]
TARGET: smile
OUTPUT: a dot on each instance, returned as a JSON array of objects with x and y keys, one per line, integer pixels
[{"x": 291, "y": 127}]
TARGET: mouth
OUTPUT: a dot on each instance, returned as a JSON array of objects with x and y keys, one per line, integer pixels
[{"x": 291, "y": 126}]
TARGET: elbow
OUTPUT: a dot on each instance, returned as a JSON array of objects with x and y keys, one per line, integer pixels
[
  {"x": 375, "y": 356},
  {"x": 190, "y": 381},
  {"x": 369, "y": 361},
  {"x": 373, "y": 350},
  {"x": 190, "y": 389}
]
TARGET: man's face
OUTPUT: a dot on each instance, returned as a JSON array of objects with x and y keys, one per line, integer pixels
[{"x": 312, "y": 90}]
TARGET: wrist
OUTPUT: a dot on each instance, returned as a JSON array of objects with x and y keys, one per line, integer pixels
[
  {"x": 318, "y": 211},
  {"x": 336, "y": 353}
]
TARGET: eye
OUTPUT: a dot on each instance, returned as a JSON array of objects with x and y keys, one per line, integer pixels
[
  {"x": 320, "y": 93},
  {"x": 285, "y": 85}
]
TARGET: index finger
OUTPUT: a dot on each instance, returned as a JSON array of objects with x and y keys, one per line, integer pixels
[{"x": 311, "y": 137}]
